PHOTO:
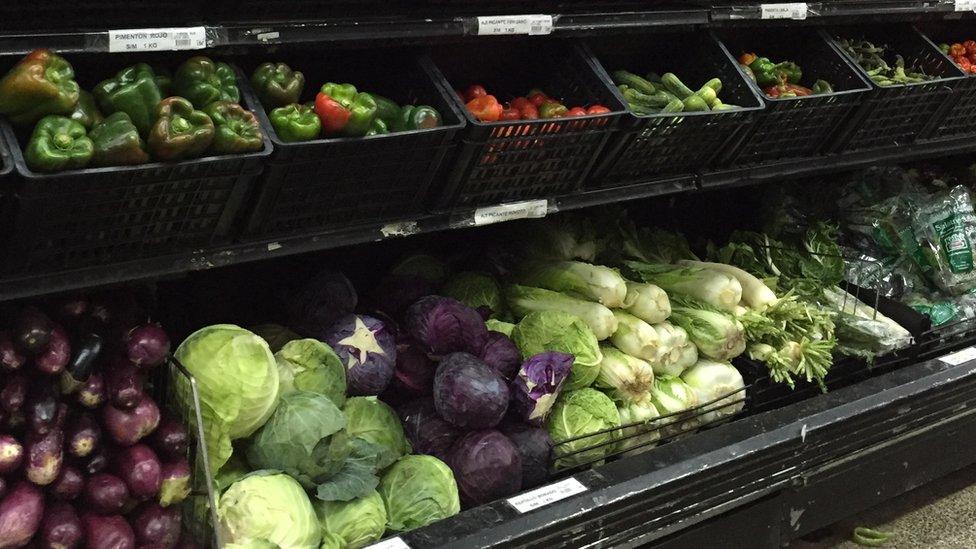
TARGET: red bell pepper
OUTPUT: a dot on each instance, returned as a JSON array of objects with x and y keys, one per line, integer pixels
[
  {"x": 473, "y": 91},
  {"x": 510, "y": 113},
  {"x": 526, "y": 109},
  {"x": 332, "y": 115},
  {"x": 537, "y": 98},
  {"x": 485, "y": 109}
]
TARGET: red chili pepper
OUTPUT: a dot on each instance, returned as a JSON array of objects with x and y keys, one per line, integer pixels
[
  {"x": 970, "y": 46},
  {"x": 538, "y": 98},
  {"x": 473, "y": 91},
  {"x": 332, "y": 115},
  {"x": 597, "y": 109},
  {"x": 510, "y": 113},
  {"x": 576, "y": 111},
  {"x": 964, "y": 63},
  {"x": 486, "y": 109}
]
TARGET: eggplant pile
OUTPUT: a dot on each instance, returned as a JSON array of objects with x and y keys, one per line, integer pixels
[{"x": 86, "y": 458}]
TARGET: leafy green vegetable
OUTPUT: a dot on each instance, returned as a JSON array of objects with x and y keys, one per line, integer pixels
[
  {"x": 523, "y": 300},
  {"x": 557, "y": 331},
  {"x": 710, "y": 286},
  {"x": 356, "y": 523},
  {"x": 581, "y": 415},
  {"x": 476, "y": 290},
  {"x": 275, "y": 334},
  {"x": 717, "y": 334},
  {"x": 375, "y": 422},
  {"x": 418, "y": 490},
  {"x": 310, "y": 365},
  {"x": 269, "y": 506},
  {"x": 499, "y": 326},
  {"x": 624, "y": 377},
  {"x": 585, "y": 280}
]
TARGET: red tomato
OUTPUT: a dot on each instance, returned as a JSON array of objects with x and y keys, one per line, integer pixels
[
  {"x": 576, "y": 111},
  {"x": 511, "y": 113},
  {"x": 597, "y": 109},
  {"x": 538, "y": 98}
]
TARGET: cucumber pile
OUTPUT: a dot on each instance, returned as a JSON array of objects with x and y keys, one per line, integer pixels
[{"x": 668, "y": 94}]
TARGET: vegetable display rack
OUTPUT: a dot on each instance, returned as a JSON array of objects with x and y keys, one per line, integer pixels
[
  {"x": 898, "y": 115},
  {"x": 338, "y": 182},
  {"x": 657, "y": 146},
  {"x": 523, "y": 159},
  {"x": 97, "y": 216},
  {"x": 795, "y": 127},
  {"x": 960, "y": 120}
]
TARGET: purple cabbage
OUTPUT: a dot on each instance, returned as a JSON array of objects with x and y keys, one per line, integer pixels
[
  {"x": 468, "y": 393},
  {"x": 537, "y": 385},
  {"x": 413, "y": 375},
  {"x": 368, "y": 351},
  {"x": 535, "y": 448},
  {"x": 427, "y": 432},
  {"x": 317, "y": 305},
  {"x": 486, "y": 465},
  {"x": 502, "y": 355},
  {"x": 442, "y": 325}
]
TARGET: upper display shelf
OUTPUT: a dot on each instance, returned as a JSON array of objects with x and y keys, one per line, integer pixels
[{"x": 108, "y": 25}]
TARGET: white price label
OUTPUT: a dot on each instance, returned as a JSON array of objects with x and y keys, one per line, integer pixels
[
  {"x": 963, "y": 5},
  {"x": 958, "y": 357},
  {"x": 172, "y": 39},
  {"x": 540, "y": 497},
  {"x": 794, "y": 10},
  {"x": 392, "y": 543},
  {"x": 530, "y": 209},
  {"x": 514, "y": 24}
]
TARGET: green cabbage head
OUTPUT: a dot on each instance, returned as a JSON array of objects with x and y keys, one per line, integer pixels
[
  {"x": 582, "y": 412},
  {"x": 418, "y": 490},
  {"x": 310, "y": 365},
  {"x": 559, "y": 331},
  {"x": 476, "y": 290},
  {"x": 269, "y": 506},
  {"x": 374, "y": 421},
  {"x": 356, "y": 523},
  {"x": 237, "y": 379}
]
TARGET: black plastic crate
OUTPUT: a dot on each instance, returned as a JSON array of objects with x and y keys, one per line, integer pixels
[
  {"x": 665, "y": 145},
  {"x": 333, "y": 182},
  {"x": 795, "y": 127},
  {"x": 898, "y": 115},
  {"x": 524, "y": 159},
  {"x": 37, "y": 15},
  {"x": 960, "y": 120},
  {"x": 98, "y": 216}
]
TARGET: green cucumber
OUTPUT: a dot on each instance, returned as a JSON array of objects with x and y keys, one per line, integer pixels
[
  {"x": 725, "y": 107},
  {"x": 694, "y": 103},
  {"x": 676, "y": 105},
  {"x": 674, "y": 85},
  {"x": 634, "y": 81},
  {"x": 653, "y": 77},
  {"x": 708, "y": 94},
  {"x": 657, "y": 100},
  {"x": 715, "y": 84}
]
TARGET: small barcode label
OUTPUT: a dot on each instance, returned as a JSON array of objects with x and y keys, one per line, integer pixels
[
  {"x": 508, "y": 212},
  {"x": 540, "y": 497},
  {"x": 392, "y": 543},
  {"x": 183, "y": 38},
  {"x": 958, "y": 357},
  {"x": 795, "y": 10},
  {"x": 964, "y": 5},
  {"x": 514, "y": 24}
]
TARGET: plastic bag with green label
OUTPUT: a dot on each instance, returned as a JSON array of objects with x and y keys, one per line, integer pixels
[{"x": 945, "y": 227}]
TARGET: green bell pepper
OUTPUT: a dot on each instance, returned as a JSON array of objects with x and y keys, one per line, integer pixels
[
  {"x": 134, "y": 91},
  {"x": 296, "y": 122},
  {"x": 117, "y": 142},
  {"x": 344, "y": 94},
  {"x": 771, "y": 74},
  {"x": 179, "y": 131},
  {"x": 552, "y": 109},
  {"x": 361, "y": 106},
  {"x": 202, "y": 81},
  {"x": 236, "y": 129},
  {"x": 419, "y": 117},
  {"x": 378, "y": 127},
  {"x": 40, "y": 84},
  {"x": 277, "y": 85},
  {"x": 386, "y": 110},
  {"x": 822, "y": 86},
  {"x": 85, "y": 111},
  {"x": 58, "y": 143}
]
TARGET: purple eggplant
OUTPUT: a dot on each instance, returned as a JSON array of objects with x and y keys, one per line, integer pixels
[
  {"x": 92, "y": 393},
  {"x": 83, "y": 435},
  {"x": 68, "y": 485},
  {"x": 127, "y": 427},
  {"x": 147, "y": 346},
  {"x": 33, "y": 330},
  {"x": 106, "y": 494},
  {"x": 45, "y": 457},
  {"x": 139, "y": 467},
  {"x": 42, "y": 408},
  {"x": 97, "y": 462},
  {"x": 157, "y": 526},
  {"x": 11, "y": 454},
  {"x": 86, "y": 354},
  {"x": 10, "y": 356},
  {"x": 21, "y": 512},
  {"x": 124, "y": 384},
  {"x": 14, "y": 392},
  {"x": 55, "y": 355},
  {"x": 61, "y": 528},
  {"x": 176, "y": 482},
  {"x": 170, "y": 439},
  {"x": 108, "y": 532}
]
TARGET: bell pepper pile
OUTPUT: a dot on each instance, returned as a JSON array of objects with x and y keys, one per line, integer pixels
[
  {"x": 780, "y": 80},
  {"x": 339, "y": 110},
  {"x": 668, "y": 94},
  {"x": 534, "y": 105},
  {"x": 873, "y": 60},
  {"x": 964, "y": 54},
  {"x": 130, "y": 118}
]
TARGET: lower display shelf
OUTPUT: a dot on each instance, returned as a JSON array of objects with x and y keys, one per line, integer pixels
[{"x": 777, "y": 473}]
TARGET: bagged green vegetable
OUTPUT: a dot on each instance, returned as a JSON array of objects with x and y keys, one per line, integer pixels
[{"x": 945, "y": 226}]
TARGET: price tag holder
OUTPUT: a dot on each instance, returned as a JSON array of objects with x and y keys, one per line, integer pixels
[
  {"x": 493, "y": 25},
  {"x": 540, "y": 497},
  {"x": 392, "y": 543},
  {"x": 167, "y": 39},
  {"x": 794, "y": 10},
  {"x": 964, "y": 5},
  {"x": 530, "y": 209},
  {"x": 960, "y": 356}
]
